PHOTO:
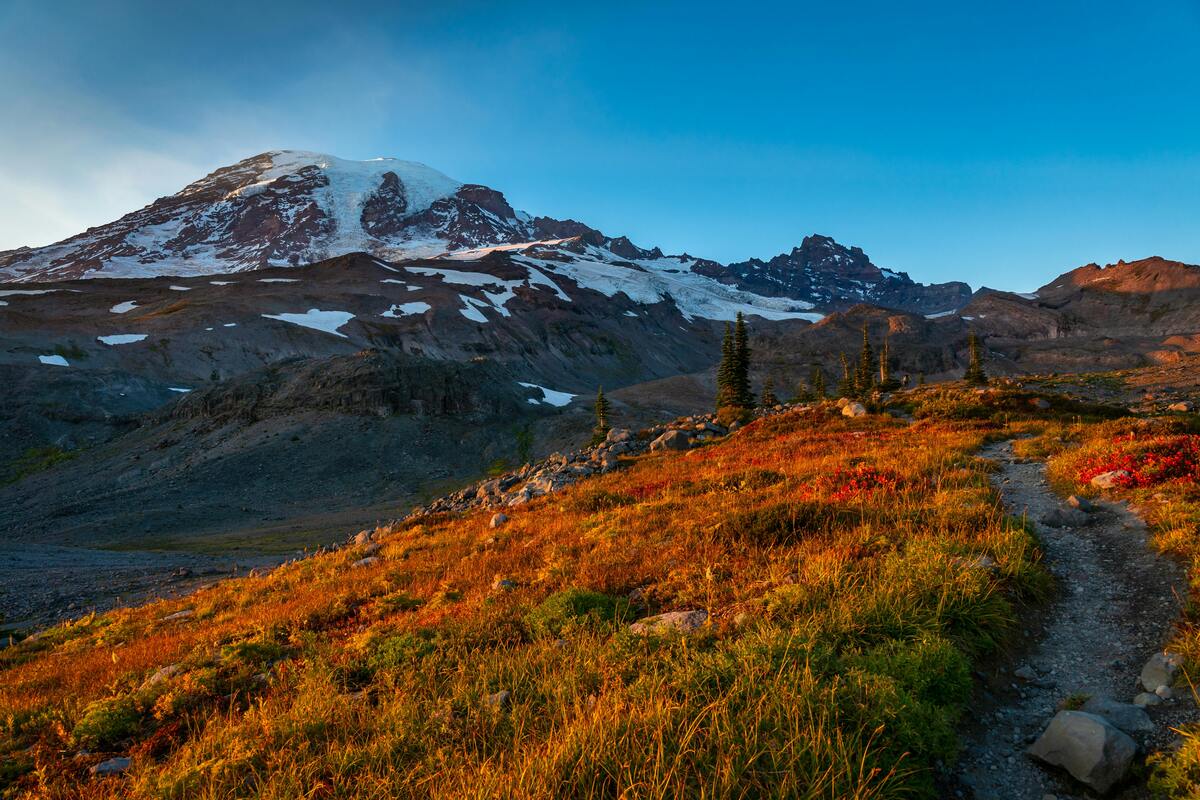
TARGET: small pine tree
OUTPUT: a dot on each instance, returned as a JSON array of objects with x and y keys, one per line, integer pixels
[
  {"x": 741, "y": 359},
  {"x": 975, "y": 373},
  {"x": 864, "y": 378},
  {"x": 768, "y": 397},
  {"x": 921, "y": 379},
  {"x": 600, "y": 432},
  {"x": 803, "y": 393},
  {"x": 817, "y": 382},
  {"x": 846, "y": 386}
]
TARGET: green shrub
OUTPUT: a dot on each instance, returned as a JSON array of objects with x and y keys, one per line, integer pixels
[
  {"x": 397, "y": 652},
  {"x": 574, "y": 607},
  {"x": 105, "y": 723}
]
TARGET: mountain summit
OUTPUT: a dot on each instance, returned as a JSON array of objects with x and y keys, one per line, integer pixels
[{"x": 290, "y": 208}]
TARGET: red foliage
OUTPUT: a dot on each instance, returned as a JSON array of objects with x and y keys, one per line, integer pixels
[
  {"x": 1149, "y": 462},
  {"x": 648, "y": 490},
  {"x": 860, "y": 480}
]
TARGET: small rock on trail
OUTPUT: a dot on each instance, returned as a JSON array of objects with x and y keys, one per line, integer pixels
[{"x": 1115, "y": 606}]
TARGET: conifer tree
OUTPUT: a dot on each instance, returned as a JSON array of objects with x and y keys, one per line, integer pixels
[
  {"x": 864, "y": 378},
  {"x": 803, "y": 393},
  {"x": 975, "y": 373},
  {"x": 817, "y": 382},
  {"x": 846, "y": 386},
  {"x": 768, "y": 397},
  {"x": 600, "y": 432},
  {"x": 725, "y": 371},
  {"x": 885, "y": 367},
  {"x": 741, "y": 359}
]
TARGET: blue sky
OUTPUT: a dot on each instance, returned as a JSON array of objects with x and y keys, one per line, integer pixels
[{"x": 998, "y": 144}]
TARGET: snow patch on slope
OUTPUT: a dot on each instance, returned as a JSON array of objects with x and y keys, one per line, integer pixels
[
  {"x": 549, "y": 396},
  {"x": 407, "y": 309},
  {"x": 327, "y": 321},
  {"x": 121, "y": 338}
]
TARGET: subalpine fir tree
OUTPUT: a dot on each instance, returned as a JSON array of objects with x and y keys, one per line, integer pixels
[
  {"x": 864, "y": 378},
  {"x": 741, "y": 361},
  {"x": 886, "y": 382},
  {"x": 600, "y": 432},
  {"x": 817, "y": 382},
  {"x": 725, "y": 371},
  {"x": 846, "y": 386},
  {"x": 803, "y": 393},
  {"x": 768, "y": 397},
  {"x": 975, "y": 373}
]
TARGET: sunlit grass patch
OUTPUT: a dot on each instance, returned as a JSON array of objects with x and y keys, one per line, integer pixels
[{"x": 851, "y": 570}]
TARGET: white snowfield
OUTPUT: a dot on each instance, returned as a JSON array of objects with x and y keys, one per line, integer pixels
[
  {"x": 327, "y": 321},
  {"x": 550, "y": 397},
  {"x": 644, "y": 281},
  {"x": 54, "y": 361},
  {"x": 471, "y": 307},
  {"x": 121, "y": 338},
  {"x": 650, "y": 281},
  {"x": 406, "y": 309},
  {"x": 121, "y": 308}
]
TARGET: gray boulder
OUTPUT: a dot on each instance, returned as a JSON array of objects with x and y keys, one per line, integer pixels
[
  {"x": 1081, "y": 503},
  {"x": 616, "y": 435},
  {"x": 671, "y": 440},
  {"x": 1094, "y": 751},
  {"x": 1110, "y": 480},
  {"x": 501, "y": 699},
  {"x": 1146, "y": 699},
  {"x": 498, "y": 519},
  {"x": 671, "y": 622},
  {"x": 854, "y": 410},
  {"x": 1183, "y": 407},
  {"x": 113, "y": 766},
  {"x": 369, "y": 561},
  {"x": 1160, "y": 670},
  {"x": 1129, "y": 718}
]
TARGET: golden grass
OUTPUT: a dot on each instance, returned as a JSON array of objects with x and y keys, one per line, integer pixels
[{"x": 843, "y": 621}]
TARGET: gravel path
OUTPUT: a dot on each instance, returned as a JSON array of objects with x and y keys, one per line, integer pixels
[{"x": 1115, "y": 607}]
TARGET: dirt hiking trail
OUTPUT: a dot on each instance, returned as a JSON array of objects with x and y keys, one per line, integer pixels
[{"x": 1115, "y": 607}]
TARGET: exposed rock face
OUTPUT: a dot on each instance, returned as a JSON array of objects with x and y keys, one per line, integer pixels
[{"x": 834, "y": 277}]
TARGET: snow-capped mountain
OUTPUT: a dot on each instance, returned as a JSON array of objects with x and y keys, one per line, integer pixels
[{"x": 290, "y": 208}]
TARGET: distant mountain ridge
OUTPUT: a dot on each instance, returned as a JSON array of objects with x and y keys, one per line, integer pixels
[{"x": 290, "y": 208}]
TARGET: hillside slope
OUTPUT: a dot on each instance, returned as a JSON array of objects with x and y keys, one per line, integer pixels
[{"x": 838, "y": 577}]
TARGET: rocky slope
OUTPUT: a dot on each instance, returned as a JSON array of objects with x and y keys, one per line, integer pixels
[{"x": 835, "y": 277}]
